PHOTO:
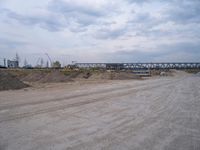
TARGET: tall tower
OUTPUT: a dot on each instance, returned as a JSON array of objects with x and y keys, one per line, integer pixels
[{"x": 4, "y": 61}]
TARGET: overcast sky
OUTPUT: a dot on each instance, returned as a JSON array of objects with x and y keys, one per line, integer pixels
[{"x": 101, "y": 30}]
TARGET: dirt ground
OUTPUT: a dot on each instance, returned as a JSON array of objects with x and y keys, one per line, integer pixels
[{"x": 161, "y": 113}]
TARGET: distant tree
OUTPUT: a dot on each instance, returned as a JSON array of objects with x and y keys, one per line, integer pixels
[{"x": 56, "y": 64}]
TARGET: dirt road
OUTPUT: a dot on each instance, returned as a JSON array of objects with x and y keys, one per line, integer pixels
[{"x": 156, "y": 114}]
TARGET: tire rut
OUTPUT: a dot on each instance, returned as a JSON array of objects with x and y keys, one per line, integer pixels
[{"x": 109, "y": 95}]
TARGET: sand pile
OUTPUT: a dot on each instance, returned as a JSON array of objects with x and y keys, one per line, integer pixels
[
  {"x": 34, "y": 76},
  {"x": 55, "y": 76},
  {"x": 47, "y": 77},
  {"x": 198, "y": 74},
  {"x": 113, "y": 76},
  {"x": 10, "y": 82}
]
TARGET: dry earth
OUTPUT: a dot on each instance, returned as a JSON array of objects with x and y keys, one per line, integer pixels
[{"x": 156, "y": 114}]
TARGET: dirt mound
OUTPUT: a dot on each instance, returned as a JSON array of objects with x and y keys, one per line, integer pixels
[
  {"x": 113, "y": 76},
  {"x": 179, "y": 73},
  {"x": 198, "y": 74},
  {"x": 169, "y": 73},
  {"x": 125, "y": 76},
  {"x": 34, "y": 76},
  {"x": 47, "y": 77},
  {"x": 55, "y": 76},
  {"x": 10, "y": 82}
]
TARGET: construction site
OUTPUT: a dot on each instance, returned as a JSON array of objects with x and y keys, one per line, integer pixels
[
  {"x": 101, "y": 106},
  {"x": 100, "y": 75}
]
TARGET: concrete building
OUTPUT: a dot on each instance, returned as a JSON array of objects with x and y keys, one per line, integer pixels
[{"x": 12, "y": 64}]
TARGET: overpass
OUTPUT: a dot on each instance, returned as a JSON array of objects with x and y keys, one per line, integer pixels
[{"x": 157, "y": 65}]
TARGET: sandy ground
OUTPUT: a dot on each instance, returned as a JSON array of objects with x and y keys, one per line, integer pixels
[{"x": 156, "y": 114}]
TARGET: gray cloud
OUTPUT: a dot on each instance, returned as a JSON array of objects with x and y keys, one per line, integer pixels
[
  {"x": 143, "y": 23},
  {"x": 75, "y": 13},
  {"x": 44, "y": 22},
  {"x": 11, "y": 44},
  {"x": 107, "y": 33},
  {"x": 172, "y": 27},
  {"x": 66, "y": 7},
  {"x": 179, "y": 52},
  {"x": 184, "y": 11},
  {"x": 137, "y": 1}
]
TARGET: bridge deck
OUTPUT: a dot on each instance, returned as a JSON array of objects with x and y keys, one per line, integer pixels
[{"x": 178, "y": 65}]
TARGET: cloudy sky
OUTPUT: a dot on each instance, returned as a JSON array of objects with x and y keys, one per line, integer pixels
[{"x": 101, "y": 30}]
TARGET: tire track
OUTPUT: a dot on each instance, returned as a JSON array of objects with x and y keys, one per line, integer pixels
[
  {"x": 12, "y": 106},
  {"x": 108, "y": 96}
]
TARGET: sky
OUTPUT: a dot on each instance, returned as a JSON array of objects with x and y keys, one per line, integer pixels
[{"x": 100, "y": 30}]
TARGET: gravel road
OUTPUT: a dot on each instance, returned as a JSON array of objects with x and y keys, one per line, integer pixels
[{"x": 161, "y": 113}]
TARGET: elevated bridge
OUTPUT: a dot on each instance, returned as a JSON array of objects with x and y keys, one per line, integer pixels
[{"x": 121, "y": 66}]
